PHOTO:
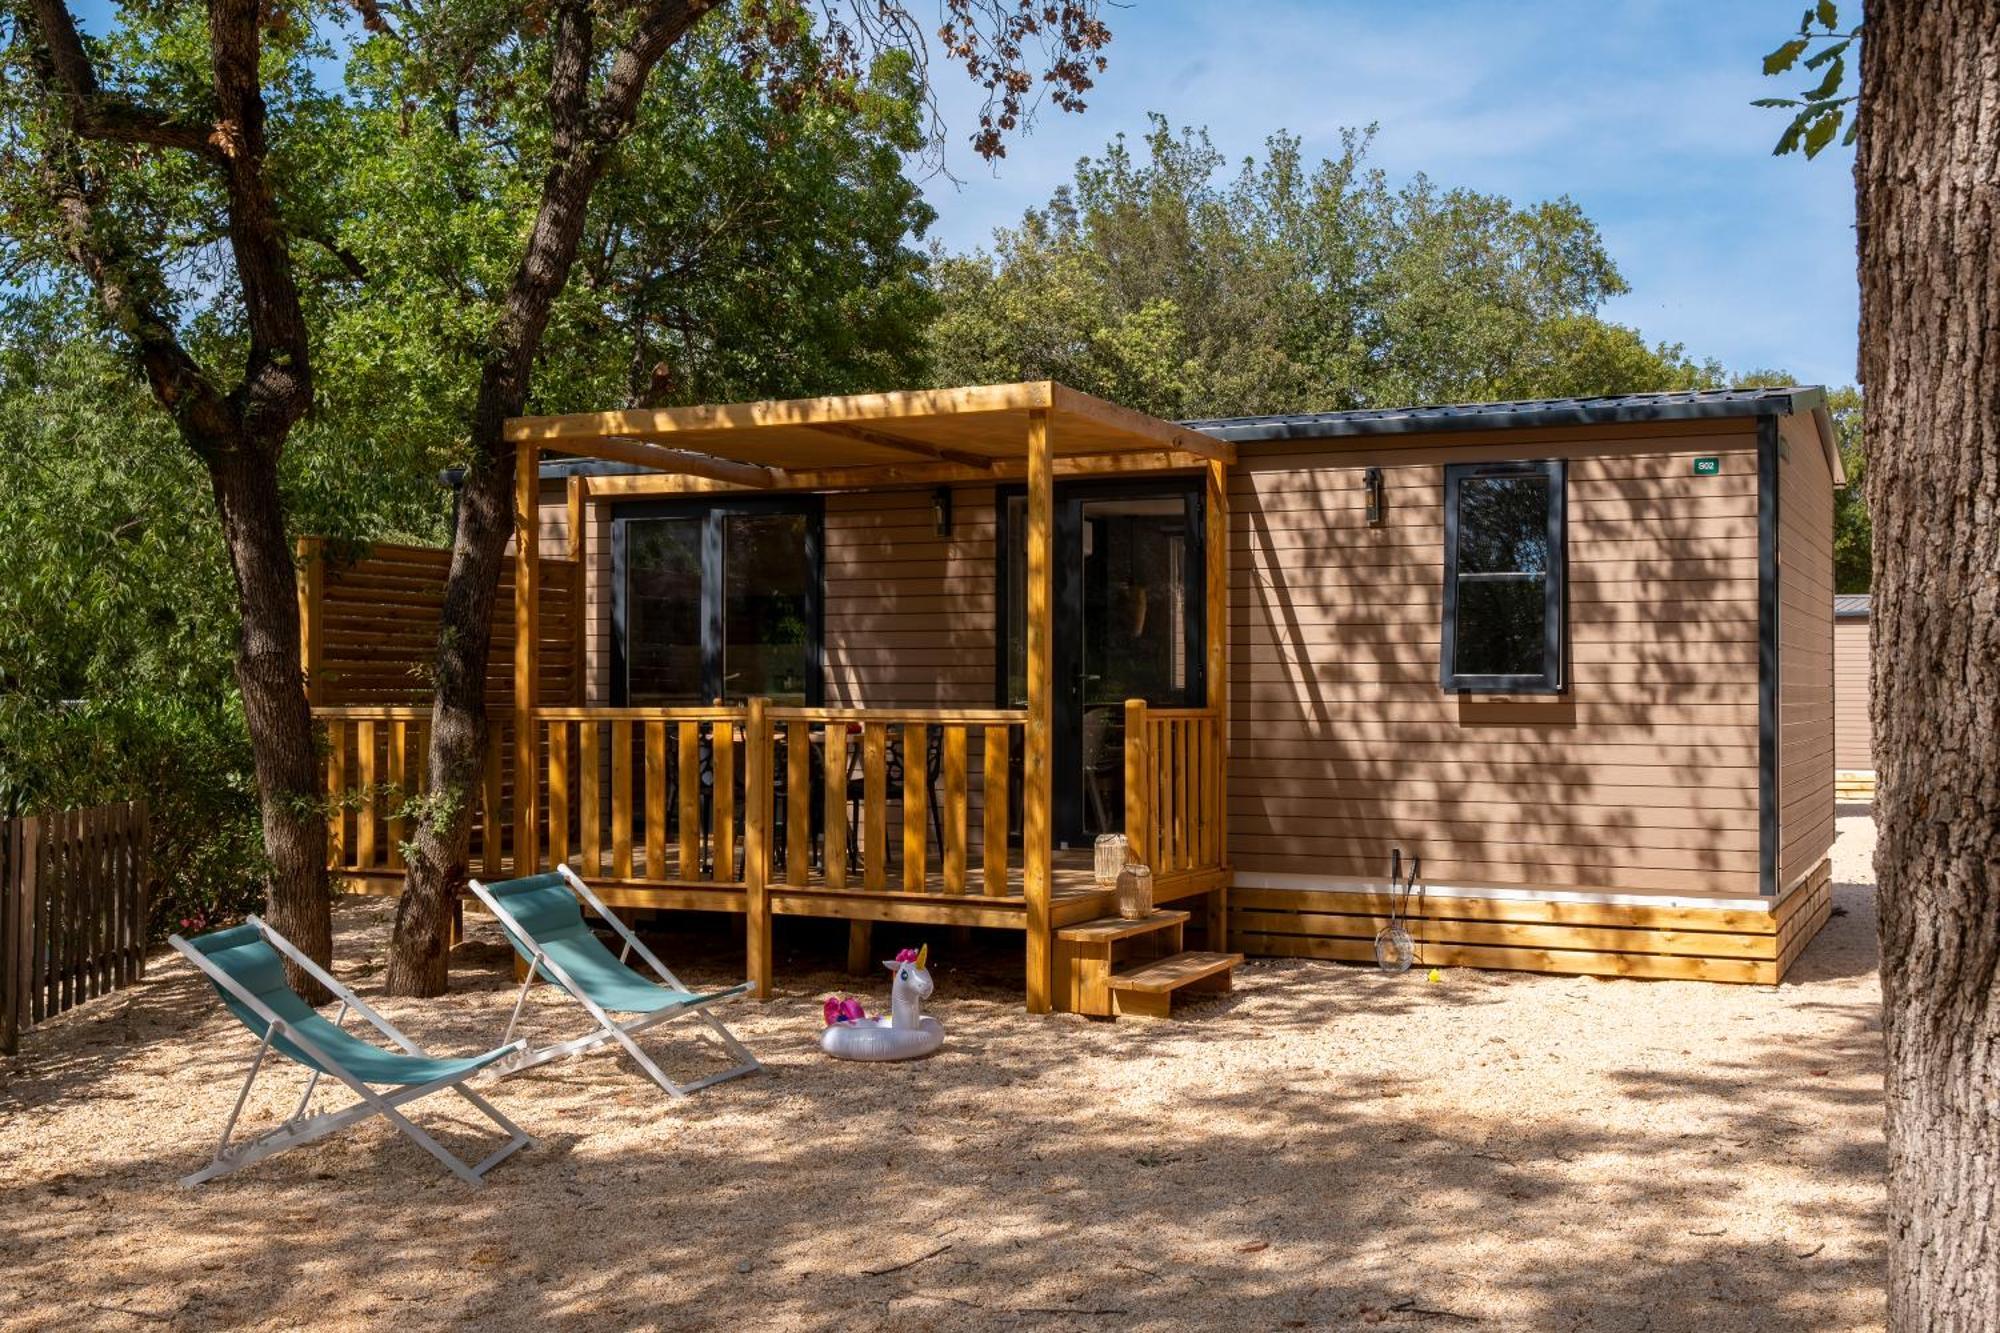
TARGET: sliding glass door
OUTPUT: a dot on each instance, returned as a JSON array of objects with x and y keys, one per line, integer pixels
[
  {"x": 1128, "y": 625},
  {"x": 716, "y": 600}
]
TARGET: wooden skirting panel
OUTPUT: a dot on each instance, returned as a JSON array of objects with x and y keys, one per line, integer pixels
[
  {"x": 1590, "y": 939},
  {"x": 1854, "y": 785}
]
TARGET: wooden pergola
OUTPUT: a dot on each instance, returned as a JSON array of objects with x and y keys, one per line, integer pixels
[{"x": 1035, "y": 432}]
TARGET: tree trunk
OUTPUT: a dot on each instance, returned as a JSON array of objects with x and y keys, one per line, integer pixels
[
  {"x": 1928, "y": 181},
  {"x": 583, "y": 139},
  {"x": 298, "y": 903}
]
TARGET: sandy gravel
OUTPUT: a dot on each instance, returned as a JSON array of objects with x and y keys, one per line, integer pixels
[{"x": 1326, "y": 1148}]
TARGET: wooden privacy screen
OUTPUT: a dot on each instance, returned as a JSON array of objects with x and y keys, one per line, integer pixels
[
  {"x": 73, "y": 911},
  {"x": 369, "y": 623}
]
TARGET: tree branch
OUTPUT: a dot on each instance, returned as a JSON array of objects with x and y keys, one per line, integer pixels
[{"x": 96, "y": 114}]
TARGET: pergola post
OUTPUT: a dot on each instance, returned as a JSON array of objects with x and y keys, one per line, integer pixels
[
  {"x": 1215, "y": 579},
  {"x": 1037, "y": 847},
  {"x": 527, "y": 627}
]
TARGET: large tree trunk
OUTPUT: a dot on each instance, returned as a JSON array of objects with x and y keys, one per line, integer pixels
[
  {"x": 1928, "y": 181},
  {"x": 585, "y": 134},
  {"x": 245, "y": 481}
]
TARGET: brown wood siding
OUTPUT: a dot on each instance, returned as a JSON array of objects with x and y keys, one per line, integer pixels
[
  {"x": 1805, "y": 652},
  {"x": 1853, "y": 736},
  {"x": 909, "y": 614},
  {"x": 1641, "y": 778}
]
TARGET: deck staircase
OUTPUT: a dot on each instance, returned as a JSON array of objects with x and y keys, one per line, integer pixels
[{"x": 1110, "y": 966}]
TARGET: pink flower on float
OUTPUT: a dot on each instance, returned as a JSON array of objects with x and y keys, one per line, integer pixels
[{"x": 842, "y": 1009}]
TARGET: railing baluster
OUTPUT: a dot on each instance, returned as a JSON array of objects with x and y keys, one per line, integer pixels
[
  {"x": 954, "y": 809},
  {"x": 916, "y": 803},
  {"x": 590, "y": 838},
  {"x": 494, "y": 816},
  {"x": 833, "y": 853},
  {"x": 399, "y": 739},
  {"x": 656, "y": 801},
  {"x": 621, "y": 800},
  {"x": 689, "y": 869},
  {"x": 874, "y": 804},
  {"x": 558, "y": 793},
  {"x": 993, "y": 795},
  {"x": 798, "y": 801},
  {"x": 722, "y": 802},
  {"x": 336, "y": 793},
  {"x": 364, "y": 778}
]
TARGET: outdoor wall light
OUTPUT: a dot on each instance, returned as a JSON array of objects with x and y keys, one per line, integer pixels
[
  {"x": 941, "y": 510},
  {"x": 1371, "y": 481}
]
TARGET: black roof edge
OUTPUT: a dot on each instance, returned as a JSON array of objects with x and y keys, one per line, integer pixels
[
  {"x": 556, "y": 469},
  {"x": 1694, "y": 405}
]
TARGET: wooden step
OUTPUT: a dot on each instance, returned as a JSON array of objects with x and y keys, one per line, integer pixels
[
  {"x": 1148, "y": 989},
  {"x": 1108, "y": 928}
]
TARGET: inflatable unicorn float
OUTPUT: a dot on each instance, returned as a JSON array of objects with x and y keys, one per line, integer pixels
[{"x": 906, "y": 1034}]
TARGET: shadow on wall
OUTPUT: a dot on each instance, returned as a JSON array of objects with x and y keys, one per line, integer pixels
[{"x": 1343, "y": 744}]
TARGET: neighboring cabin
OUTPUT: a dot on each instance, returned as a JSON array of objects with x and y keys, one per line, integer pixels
[{"x": 1853, "y": 743}]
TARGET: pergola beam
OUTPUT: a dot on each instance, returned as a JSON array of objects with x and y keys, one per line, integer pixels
[
  {"x": 873, "y": 476},
  {"x": 902, "y": 444},
  {"x": 679, "y": 462}
]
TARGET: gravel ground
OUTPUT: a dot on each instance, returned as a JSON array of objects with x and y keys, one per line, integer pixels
[{"x": 1325, "y": 1148}]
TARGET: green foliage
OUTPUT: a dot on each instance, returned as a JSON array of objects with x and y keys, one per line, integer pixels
[
  {"x": 1819, "y": 111},
  {"x": 1852, "y": 537},
  {"x": 1154, "y": 281},
  {"x": 116, "y": 625}
]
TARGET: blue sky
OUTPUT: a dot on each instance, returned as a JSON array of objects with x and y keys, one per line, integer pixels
[{"x": 1639, "y": 111}]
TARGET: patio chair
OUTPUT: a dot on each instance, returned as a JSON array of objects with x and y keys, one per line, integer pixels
[
  {"x": 543, "y": 920},
  {"x": 245, "y": 966}
]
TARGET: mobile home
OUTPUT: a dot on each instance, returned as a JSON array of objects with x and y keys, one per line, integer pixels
[{"x": 903, "y": 657}]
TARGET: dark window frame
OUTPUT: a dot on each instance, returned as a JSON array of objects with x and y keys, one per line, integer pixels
[
  {"x": 1551, "y": 679},
  {"x": 712, "y": 510},
  {"x": 1069, "y": 497}
]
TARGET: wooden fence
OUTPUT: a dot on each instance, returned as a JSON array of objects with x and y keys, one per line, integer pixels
[{"x": 73, "y": 911}]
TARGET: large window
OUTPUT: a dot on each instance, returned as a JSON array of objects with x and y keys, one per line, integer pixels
[
  {"x": 716, "y": 600},
  {"x": 1503, "y": 577}
]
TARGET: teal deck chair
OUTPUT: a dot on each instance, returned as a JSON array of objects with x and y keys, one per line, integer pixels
[
  {"x": 543, "y": 919},
  {"x": 246, "y": 966}
]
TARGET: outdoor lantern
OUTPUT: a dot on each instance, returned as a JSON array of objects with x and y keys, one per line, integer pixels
[
  {"x": 941, "y": 510},
  {"x": 1135, "y": 892},
  {"x": 1109, "y": 855},
  {"x": 1371, "y": 481}
]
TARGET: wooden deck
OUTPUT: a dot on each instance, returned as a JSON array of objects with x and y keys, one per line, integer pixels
[{"x": 1074, "y": 897}]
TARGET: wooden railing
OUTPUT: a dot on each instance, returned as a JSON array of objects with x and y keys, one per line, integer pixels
[
  {"x": 647, "y": 795},
  {"x": 1173, "y": 791},
  {"x": 829, "y": 797},
  {"x": 376, "y": 759},
  {"x": 867, "y": 768},
  {"x": 73, "y": 911}
]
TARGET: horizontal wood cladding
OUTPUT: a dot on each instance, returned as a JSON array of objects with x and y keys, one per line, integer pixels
[
  {"x": 889, "y": 573},
  {"x": 1578, "y": 938},
  {"x": 1641, "y": 777},
  {"x": 376, "y": 625},
  {"x": 1806, "y": 670},
  {"x": 1853, "y": 736}
]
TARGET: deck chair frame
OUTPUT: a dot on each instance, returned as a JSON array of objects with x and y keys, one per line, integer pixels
[
  {"x": 300, "y": 1129},
  {"x": 609, "y": 1028}
]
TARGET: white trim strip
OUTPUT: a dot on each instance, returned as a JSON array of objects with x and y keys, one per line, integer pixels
[{"x": 1351, "y": 884}]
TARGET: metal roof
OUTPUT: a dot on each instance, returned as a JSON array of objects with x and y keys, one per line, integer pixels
[
  {"x": 1674, "y": 405},
  {"x": 1851, "y": 605}
]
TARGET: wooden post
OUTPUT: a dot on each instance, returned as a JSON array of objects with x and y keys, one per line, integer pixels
[
  {"x": 1138, "y": 782},
  {"x": 527, "y": 625},
  {"x": 757, "y": 798},
  {"x": 1215, "y": 548},
  {"x": 579, "y": 609},
  {"x": 860, "y": 944},
  {"x": 312, "y": 596},
  {"x": 1037, "y": 848}
]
